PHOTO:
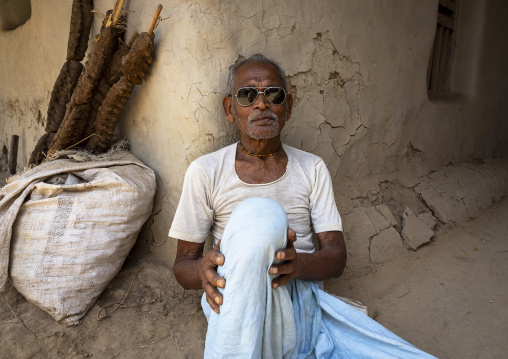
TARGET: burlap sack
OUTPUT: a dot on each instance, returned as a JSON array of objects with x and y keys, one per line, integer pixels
[{"x": 73, "y": 223}]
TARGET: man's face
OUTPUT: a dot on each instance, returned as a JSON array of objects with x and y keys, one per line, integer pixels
[{"x": 261, "y": 120}]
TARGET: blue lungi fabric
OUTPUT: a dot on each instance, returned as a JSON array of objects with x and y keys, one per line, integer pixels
[{"x": 298, "y": 320}]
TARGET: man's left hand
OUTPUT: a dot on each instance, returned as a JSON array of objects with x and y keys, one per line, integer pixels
[{"x": 288, "y": 269}]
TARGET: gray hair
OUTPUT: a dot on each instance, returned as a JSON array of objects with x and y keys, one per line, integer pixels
[{"x": 254, "y": 58}]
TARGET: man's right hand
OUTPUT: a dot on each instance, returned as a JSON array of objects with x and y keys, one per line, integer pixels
[{"x": 210, "y": 280}]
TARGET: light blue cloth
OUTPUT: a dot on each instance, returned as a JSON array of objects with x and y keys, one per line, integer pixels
[{"x": 297, "y": 320}]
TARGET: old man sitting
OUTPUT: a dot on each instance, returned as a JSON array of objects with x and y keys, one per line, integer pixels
[{"x": 263, "y": 201}]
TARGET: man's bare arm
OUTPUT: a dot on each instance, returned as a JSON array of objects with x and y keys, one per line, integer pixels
[
  {"x": 193, "y": 271},
  {"x": 327, "y": 262}
]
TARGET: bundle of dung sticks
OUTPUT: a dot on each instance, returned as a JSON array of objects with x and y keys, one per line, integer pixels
[{"x": 87, "y": 101}]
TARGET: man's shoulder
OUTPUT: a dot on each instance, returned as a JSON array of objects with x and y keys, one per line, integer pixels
[
  {"x": 213, "y": 161},
  {"x": 304, "y": 158}
]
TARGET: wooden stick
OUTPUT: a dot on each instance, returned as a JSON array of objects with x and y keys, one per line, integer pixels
[
  {"x": 155, "y": 19},
  {"x": 84, "y": 139},
  {"x": 133, "y": 38},
  {"x": 117, "y": 12},
  {"x": 13, "y": 154}
]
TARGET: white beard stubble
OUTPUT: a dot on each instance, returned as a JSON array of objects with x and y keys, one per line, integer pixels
[{"x": 260, "y": 134}]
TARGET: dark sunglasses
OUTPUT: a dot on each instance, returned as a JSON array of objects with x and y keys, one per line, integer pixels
[{"x": 247, "y": 95}]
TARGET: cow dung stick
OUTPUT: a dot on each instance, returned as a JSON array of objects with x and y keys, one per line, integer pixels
[
  {"x": 13, "y": 154},
  {"x": 78, "y": 109},
  {"x": 111, "y": 75},
  {"x": 81, "y": 22},
  {"x": 109, "y": 114},
  {"x": 62, "y": 92},
  {"x": 40, "y": 149},
  {"x": 60, "y": 96},
  {"x": 134, "y": 66},
  {"x": 155, "y": 19}
]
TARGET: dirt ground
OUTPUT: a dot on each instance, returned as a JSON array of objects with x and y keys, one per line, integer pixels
[{"x": 450, "y": 298}]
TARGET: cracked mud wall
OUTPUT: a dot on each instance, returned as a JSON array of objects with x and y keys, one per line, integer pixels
[{"x": 357, "y": 71}]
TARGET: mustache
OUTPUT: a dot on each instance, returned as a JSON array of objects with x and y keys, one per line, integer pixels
[{"x": 263, "y": 114}]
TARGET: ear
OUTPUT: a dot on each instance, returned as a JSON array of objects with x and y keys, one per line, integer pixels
[
  {"x": 289, "y": 106},
  {"x": 227, "y": 104}
]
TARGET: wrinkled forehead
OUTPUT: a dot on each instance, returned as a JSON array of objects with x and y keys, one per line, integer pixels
[{"x": 257, "y": 74}]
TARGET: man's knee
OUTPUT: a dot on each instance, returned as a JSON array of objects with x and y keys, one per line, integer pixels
[{"x": 257, "y": 226}]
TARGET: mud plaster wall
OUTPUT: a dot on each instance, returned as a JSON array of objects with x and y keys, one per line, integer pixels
[{"x": 357, "y": 71}]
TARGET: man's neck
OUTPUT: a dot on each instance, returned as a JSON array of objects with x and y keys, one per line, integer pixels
[
  {"x": 260, "y": 146},
  {"x": 257, "y": 170}
]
